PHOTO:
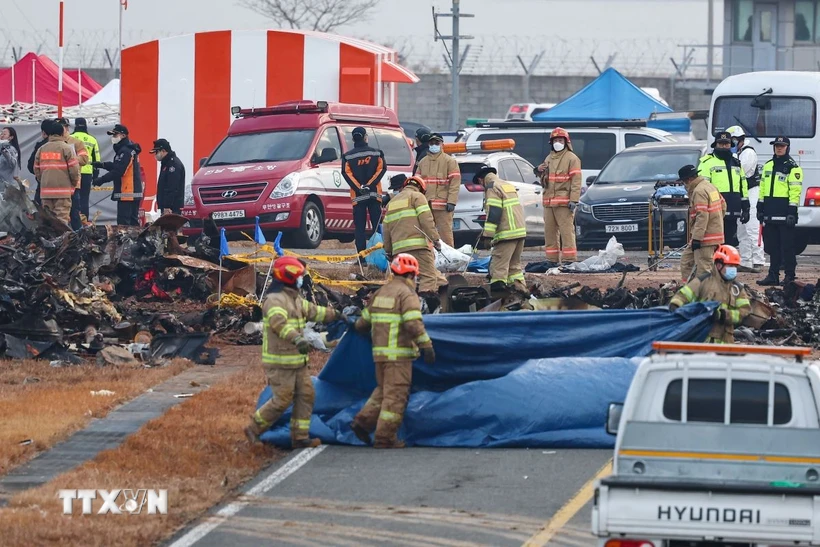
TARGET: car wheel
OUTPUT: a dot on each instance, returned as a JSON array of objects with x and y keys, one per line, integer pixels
[
  {"x": 312, "y": 229},
  {"x": 801, "y": 241}
]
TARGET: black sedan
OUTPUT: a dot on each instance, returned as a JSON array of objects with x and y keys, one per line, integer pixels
[{"x": 617, "y": 201}]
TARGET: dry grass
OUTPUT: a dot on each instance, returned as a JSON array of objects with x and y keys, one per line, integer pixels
[
  {"x": 47, "y": 404},
  {"x": 196, "y": 451}
]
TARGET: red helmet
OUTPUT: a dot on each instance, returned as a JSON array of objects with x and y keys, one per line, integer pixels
[
  {"x": 418, "y": 181},
  {"x": 559, "y": 132},
  {"x": 727, "y": 254},
  {"x": 288, "y": 269},
  {"x": 404, "y": 264}
]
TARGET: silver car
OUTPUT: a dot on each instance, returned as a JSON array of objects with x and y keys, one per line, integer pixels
[{"x": 469, "y": 216}]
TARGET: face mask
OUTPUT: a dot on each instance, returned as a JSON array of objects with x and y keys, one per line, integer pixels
[
  {"x": 734, "y": 149},
  {"x": 723, "y": 153},
  {"x": 3, "y": 142},
  {"x": 115, "y": 139},
  {"x": 558, "y": 146},
  {"x": 435, "y": 148},
  {"x": 299, "y": 281},
  {"x": 729, "y": 273}
]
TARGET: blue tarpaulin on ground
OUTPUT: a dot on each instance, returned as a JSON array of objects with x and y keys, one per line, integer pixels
[{"x": 526, "y": 379}]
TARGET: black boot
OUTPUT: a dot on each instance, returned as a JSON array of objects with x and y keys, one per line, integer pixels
[
  {"x": 789, "y": 278},
  {"x": 771, "y": 280},
  {"x": 499, "y": 288}
]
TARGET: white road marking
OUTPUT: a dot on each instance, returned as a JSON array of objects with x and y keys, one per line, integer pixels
[{"x": 263, "y": 487}]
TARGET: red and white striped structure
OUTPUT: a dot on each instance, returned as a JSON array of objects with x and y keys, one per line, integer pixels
[{"x": 182, "y": 88}]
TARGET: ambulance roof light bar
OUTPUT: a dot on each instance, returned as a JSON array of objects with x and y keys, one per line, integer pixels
[
  {"x": 292, "y": 107},
  {"x": 688, "y": 347},
  {"x": 462, "y": 147}
]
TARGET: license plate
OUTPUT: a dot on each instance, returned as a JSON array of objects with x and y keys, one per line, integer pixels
[
  {"x": 617, "y": 228},
  {"x": 222, "y": 215}
]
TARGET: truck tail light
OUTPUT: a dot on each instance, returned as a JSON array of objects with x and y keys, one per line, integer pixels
[
  {"x": 629, "y": 543},
  {"x": 812, "y": 197},
  {"x": 474, "y": 187}
]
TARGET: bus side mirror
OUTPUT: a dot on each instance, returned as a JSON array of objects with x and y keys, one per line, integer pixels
[{"x": 613, "y": 417}]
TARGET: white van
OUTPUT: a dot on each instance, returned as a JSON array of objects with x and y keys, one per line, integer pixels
[{"x": 768, "y": 104}]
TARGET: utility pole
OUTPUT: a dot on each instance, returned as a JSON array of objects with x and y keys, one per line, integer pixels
[
  {"x": 455, "y": 57},
  {"x": 710, "y": 41}
]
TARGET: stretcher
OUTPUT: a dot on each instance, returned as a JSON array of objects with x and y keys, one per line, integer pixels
[{"x": 667, "y": 195}]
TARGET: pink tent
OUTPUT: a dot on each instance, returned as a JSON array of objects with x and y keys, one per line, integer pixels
[
  {"x": 36, "y": 81},
  {"x": 87, "y": 81}
]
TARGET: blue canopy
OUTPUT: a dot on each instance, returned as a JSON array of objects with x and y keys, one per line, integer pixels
[
  {"x": 609, "y": 97},
  {"x": 535, "y": 379}
]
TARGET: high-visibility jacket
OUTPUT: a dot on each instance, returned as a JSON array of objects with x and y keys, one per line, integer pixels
[
  {"x": 286, "y": 313},
  {"x": 124, "y": 171},
  {"x": 443, "y": 177},
  {"x": 729, "y": 179},
  {"x": 394, "y": 318},
  {"x": 407, "y": 221},
  {"x": 92, "y": 148},
  {"x": 562, "y": 178},
  {"x": 706, "y": 211},
  {"x": 505, "y": 215},
  {"x": 363, "y": 168},
  {"x": 781, "y": 186},
  {"x": 731, "y": 295},
  {"x": 57, "y": 169}
]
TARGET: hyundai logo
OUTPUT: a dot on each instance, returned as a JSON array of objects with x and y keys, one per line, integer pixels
[
  {"x": 229, "y": 194},
  {"x": 622, "y": 199}
]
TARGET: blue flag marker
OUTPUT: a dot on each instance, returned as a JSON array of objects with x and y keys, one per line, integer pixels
[
  {"x": 277, "y": 245},
  {"x": 258, "y": 236},
  {"x": 223, "y": 244}
]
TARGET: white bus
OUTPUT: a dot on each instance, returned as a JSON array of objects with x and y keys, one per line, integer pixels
[{"x": 769, "y": 104}]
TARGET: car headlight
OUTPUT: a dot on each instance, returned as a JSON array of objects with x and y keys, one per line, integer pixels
[
  {"x": 585, "y": 208},
  {"x": 287, "y": 186},
  {"x": 189, "y": 196}
]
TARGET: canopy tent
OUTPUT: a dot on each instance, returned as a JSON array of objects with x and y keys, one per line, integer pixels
[
  {"x": 82, "y": 78},
  {"x": 612, "y": 97},
  {"x": 110, "y": 94},
  {"x": 35, "y": 81}
]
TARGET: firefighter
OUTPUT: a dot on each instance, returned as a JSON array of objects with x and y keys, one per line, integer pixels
[
  {"x": 506, "y": 227},
  {"x": 124, "y": 172},
  {"x": 722, "y": 288},
  {"x": 397, "y": 331},
  {"x": 84, "y": 160},
  {"x": 363, "y": 168},
  {"x": 780, "y": 188},
  {"x": 706, "y": 213},
  {"x": 409, "y": 227},
  {"x": 560, "y": 175},
  {"x": 92, "y": 148},
  {"x": 725, "y": 173},
  {"x": 58, "y": 172},
  {"x": 285, "y": 354},
  {"x": 171, "y": 182},
  {"x": 748, "y": 235},
  {"x": 443, "y": 178},
  {"x": 422, "y": 146}
]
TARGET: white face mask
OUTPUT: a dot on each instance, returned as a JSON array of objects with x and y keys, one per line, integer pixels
[
  {"x": 299, "y": 281},
  {"x": 435, "y": 148},
  {"x": 115, "y": 139},
  {"x": 558, "y": 146}
]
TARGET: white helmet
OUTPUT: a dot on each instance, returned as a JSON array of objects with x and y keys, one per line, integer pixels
[{"x": 736, "y": 132}]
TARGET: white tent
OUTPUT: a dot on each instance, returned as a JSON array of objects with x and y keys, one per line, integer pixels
[{"x": 110, "y": 94}]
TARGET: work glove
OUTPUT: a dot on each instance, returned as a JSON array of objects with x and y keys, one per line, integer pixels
[
  {"x": 745, "y": 215},
  {"x": 760, "y": 211},
  {"x": 97, "y": 165},
  {"x": 429, "y": 355},
  {"x": 451, "y": 207},
  {"x": 572, "y": 205},
  {"x": 719, "y": 316},
  {"x": 302, "y": 345},
  {"x": 484, "y": 243},
  {"x": 695, "y": 244},
  {"x": 350, "y": 319},
  {"x": 791, "y": 218},
  {"x": 672, "y": 306}
]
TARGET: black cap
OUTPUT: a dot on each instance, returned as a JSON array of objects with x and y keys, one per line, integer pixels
[
  {"x": 435, "y": 137},
  {"x": 687, "y": 172},
  {"x": 359, "y": 133},
  {"x": 397, "y": 181},
  {"x": 423, "y": 134},
  {"x": 54, "y": 128},
  {"x": 483, "y": 172},
  {"x": 80, "y": 123},
  {"x": 782, "y": 140},
  {"x": 119, "y": 128},
  {"x": 161, "y": 144},
  {"x": 44, "y": 125},
  {"x": 723, "y": 136}
]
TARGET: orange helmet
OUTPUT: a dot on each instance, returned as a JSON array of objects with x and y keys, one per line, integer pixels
[
  {"x": 404, "y": 264},
  {"x": 288, "y": 270},
  {"x": 559, "y": 132},
  {"x": 418, "y": 181},
  {"x": 727, "y": 254}
]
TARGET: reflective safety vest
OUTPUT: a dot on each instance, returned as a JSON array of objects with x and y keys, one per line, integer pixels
[
  {"x": 729, "y": 180},
  {"x": 408, "y": 222},
  {"x": 731, "y": 295},
  {"x": 780, "y": 189},
  {"x": 286, "y": 313},
  {"x": 505, "y": 215},
  {"x": 93, "y": 149},
  {"x": 394, "y": 318}
]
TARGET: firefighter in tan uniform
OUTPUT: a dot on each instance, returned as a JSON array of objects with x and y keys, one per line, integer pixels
[
  {"x": 441, "y": 173},
  {"x": 506, "y": 228},
  {"x": 285, "y": 354},
  {"x": 706, "y": 211},
  {"x": 57, "y": 170},
  {"x": 409, "y": 227},
  {"x": 722, "y": 288},
  {"x": 394, "y": 321},
  {"x": 560, "y": 176}
]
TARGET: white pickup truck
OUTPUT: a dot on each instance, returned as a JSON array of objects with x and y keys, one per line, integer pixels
[{"x": 716, "y": 445}]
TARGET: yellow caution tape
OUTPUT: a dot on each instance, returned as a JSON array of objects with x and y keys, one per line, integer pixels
[
  {"x": 270, "y": 254},
  {"x": 230, "y": 300}
]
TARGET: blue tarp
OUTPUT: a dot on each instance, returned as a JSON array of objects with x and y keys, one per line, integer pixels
[
  {"x": 536, "y": 379},
  {"x": 609, "y": 97},
  {"x": 673, "y": 125}
]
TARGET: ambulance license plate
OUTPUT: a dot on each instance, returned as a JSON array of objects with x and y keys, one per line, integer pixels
[{"x": 222, "y": 215}]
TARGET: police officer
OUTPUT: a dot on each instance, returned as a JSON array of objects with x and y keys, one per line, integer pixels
[
  {"x": 124, "y": 172},
  {"x": 723, "y": 170},
  {"x": 363, "y": 168},
  {"x": 422, "y": 146},
  {"x": 171, "y": 182},
  {"x": 751, "y": 253},
  {"x": 781, "y": 185},
  {"x": 86, "y": 171}
]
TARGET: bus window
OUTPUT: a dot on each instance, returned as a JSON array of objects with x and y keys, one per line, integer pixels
[{"x": 767, "y": 116}]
